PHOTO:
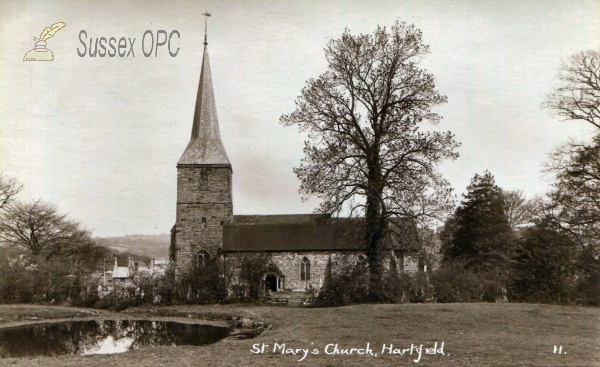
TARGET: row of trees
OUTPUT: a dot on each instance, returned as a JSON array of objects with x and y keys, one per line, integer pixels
[
  {"x": 532, "y": 260},
  {"x": 557, "y": 257},
  {"x": 44, "y": 256}
]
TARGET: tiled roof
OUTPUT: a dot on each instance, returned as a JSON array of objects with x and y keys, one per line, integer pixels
[
  {"x": 305, "y": 232},
  {"x": 275, "y": 219}
]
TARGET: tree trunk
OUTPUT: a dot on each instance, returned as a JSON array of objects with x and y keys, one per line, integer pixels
[{"x": 374, "y": 235}]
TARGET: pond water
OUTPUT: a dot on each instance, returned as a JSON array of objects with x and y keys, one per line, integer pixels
[{"x": 102, "y": 337}]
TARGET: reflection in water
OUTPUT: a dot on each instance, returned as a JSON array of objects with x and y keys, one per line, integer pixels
[{"x": 102, "y": 337}]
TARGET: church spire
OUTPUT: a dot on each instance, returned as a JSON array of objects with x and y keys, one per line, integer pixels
[{"x": 205, "y": 146}]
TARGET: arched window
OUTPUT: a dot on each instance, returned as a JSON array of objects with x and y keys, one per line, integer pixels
[
  {"x": 202, "y": 258},
  {"x": 305, "y": 269}
]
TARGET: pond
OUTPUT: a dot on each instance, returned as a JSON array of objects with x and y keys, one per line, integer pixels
[{"x": 102, "y": 337}]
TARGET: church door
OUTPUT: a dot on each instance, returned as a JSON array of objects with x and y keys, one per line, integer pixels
[{"x": 271, "y": 283}]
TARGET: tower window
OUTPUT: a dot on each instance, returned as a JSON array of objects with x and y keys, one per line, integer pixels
[
  {"x": 203, "y": 179},
  {"x": 305, "y": 269},
  {"x": 202, "y": 258},
  {"x": 203, "y": 175},
  {"x": 203, "y": 222}
]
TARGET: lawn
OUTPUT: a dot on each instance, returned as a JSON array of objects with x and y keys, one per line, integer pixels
[{"x": 473, "y": 335}]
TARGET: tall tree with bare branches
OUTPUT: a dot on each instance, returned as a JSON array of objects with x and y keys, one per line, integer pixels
[
  {"x": 574, "y": 202},
  {"x": 575, "y": 199},
  {"x": 40, "y": 230},
  {"x": 9, "y": 188},
  {"x": 367, "y": 154},
  {"x": 578, "y": 96}
]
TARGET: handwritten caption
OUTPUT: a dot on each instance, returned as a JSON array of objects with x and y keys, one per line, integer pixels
[{"x": 415, "y": 351}]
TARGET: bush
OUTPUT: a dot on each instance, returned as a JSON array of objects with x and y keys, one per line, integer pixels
[
  {"x": 117, "y": 298},
  {"x": 416, "y": 288},
  {"x": 544, "y": 267},
  {"x": 251, "y": 270},
  {"x": 588, "y": 280},
  {"x": 202, "y": 283},
  {"x": 347, "y": 284},
  {"x": 451, "y": 282},
  {"x": 26, "y": 279}
]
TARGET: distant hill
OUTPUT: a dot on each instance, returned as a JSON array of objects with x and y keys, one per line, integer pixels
[{"x": 138, "y": 244}]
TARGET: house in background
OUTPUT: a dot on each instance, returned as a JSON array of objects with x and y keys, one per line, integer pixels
[{"x": 124, "y": 274}]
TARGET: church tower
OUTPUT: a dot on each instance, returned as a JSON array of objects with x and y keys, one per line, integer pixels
[{"x": 204, "y": 200}]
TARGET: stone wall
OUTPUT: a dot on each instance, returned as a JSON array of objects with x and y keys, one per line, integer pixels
[
  {"x": 289, "y": 264},
  {"x": 204, "y": 205}
]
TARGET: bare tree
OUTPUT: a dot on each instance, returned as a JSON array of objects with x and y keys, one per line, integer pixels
[
  {"x": 367, "y": 155},
  {"x": 578, "y": 96},
  {"x": 9, "y": 187},
  {"x": 38, "y": 229},
  {"x": 575, "y": 199},
  {"x": 518, "y": 209}
]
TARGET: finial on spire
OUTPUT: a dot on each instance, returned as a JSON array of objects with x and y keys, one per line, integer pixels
[{"x": 206, "y": 14}]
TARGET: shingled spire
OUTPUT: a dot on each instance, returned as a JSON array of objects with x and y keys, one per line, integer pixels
[{"x": 205, "y": 146}]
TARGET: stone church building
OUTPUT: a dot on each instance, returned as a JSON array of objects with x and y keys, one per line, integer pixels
[{"x": 301, "y": 246}]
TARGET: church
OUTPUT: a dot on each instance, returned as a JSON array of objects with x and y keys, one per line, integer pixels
[{"x": 301, "y": 246}]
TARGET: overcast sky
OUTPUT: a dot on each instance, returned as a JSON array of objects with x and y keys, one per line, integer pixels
[{"x": 100, "y": 137}]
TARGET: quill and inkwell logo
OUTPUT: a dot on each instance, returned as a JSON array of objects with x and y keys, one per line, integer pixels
[{"x": 40, "y": 52}]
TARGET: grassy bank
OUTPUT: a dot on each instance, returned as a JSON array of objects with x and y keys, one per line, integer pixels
[{"x": 473, "y": 335}]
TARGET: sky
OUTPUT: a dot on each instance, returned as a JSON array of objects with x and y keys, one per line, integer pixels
[{"x": 101, "y": 137}]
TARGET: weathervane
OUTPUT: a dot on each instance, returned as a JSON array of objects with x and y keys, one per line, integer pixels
[{"x": 206, "y": 14}]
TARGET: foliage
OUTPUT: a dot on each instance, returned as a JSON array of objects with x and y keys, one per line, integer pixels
[
  {"x": 483, "y": 235},
  {"x": 588, "y": 279},
  {"x": 25, "y": 280},
  {"x": 573, "y": 204},
  {"x": 575, "y": 198},
  {"x": 119, "y": 297},
  {"x": 366, "y": 154},
  {"x": 544, "y": 266},
  {"x": 346, "y": 282},
  {"x": 416, "y": 288},
  {"x": 252, "y": 269},
  {"x": 453, "y": 281},
  {"x": 392, "y": 290},
  {"x": 202, "y": 281}
]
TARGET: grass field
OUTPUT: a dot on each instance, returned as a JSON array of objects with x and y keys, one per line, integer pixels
[{"x": 473, "y": 335}]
